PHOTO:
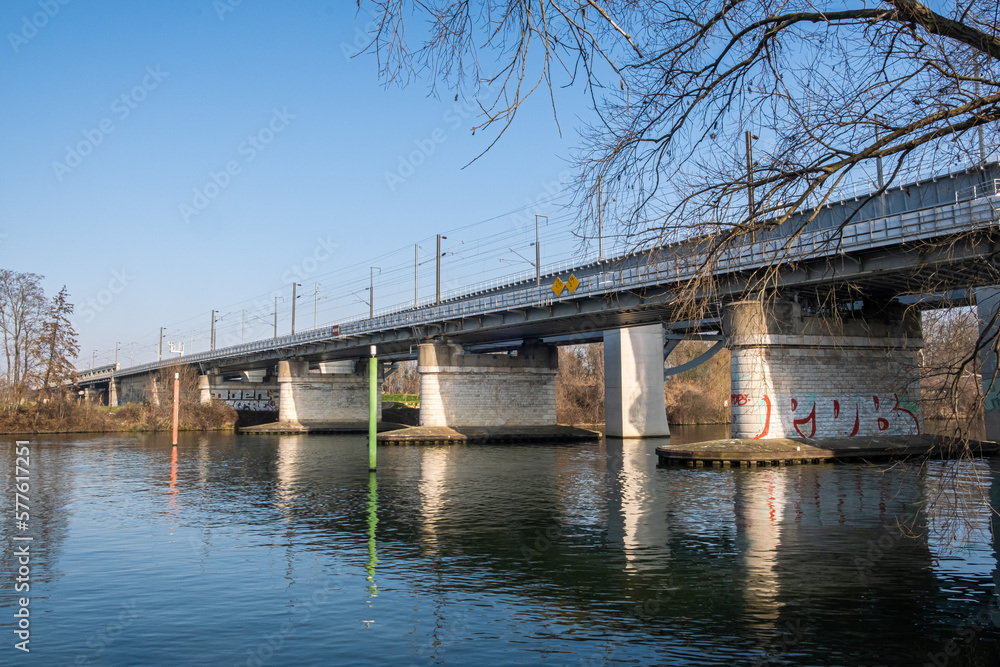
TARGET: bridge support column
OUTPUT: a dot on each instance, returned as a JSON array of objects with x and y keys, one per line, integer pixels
[
  {"x": 113, "y": 393},
  {"x": 204, "y": 388},
  {"x": 484, "y": 390},
  {"x": 339, "y": 397},
  {"x": 810, "y": 376},
  {"x": 633, "y": 383},
  {"x": 987, "y": 303}
]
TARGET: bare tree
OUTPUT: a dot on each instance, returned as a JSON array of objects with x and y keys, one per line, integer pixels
[
  {"x": 827, "y": 88},
  {"x": 22, "y": 313}
]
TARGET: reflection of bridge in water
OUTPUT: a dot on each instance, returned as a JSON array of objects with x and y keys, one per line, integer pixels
[{"x": 599, "y": 535}]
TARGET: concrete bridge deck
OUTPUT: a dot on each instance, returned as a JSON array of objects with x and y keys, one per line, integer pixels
[{"x": 948, "y": 245}]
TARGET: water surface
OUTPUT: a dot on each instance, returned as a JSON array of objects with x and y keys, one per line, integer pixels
[{"x": 256, "y": 550}]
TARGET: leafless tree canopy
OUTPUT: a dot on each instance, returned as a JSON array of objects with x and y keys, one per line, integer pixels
[
  {"x": 22, "y": 313},
  {"x": 826, "y": 88},
  {"x": 38, "y": 339}
]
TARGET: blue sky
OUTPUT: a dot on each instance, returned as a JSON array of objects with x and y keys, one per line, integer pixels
[{"x": 166, "y": 159}]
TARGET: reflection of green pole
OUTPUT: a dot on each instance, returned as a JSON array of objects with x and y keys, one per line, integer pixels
[
  {"x": 372, "y": 522},
  {"x": 372, "y": 412}
]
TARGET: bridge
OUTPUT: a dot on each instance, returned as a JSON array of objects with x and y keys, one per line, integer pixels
[{"x": 486, "y": 353}]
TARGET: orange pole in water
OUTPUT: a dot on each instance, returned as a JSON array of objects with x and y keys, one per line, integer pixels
[{"x": 177, "y": 406}]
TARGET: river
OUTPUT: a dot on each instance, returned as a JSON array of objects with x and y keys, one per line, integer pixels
[{"x": 253, "y": 550}]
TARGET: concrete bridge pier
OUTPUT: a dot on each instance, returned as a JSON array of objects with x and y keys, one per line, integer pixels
[
  {"x": 633, "y": 383},
  {"x": 796, "y": 375},
  {"x": 113, "y": 392},
  {"x": 337, "y": 392},
  {"x": 987, "y": 303},
  {"x": 487, "y": 390}
]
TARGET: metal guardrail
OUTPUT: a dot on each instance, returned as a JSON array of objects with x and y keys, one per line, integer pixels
[{"x": 978, "y": 211}]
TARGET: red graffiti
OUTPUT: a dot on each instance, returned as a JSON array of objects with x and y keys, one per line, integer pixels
[
  {"x": 767, "y": 419},
  {"x": 806, "y": 420},
  {"x": 912, "y": 416},
  {"x": 821, "y": 422}
]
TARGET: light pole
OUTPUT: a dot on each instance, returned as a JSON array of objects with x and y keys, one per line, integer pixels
[
  {"x": 750, "y": 203},
  {"x": 159, "y": 352},
  {"x": 600, "y": 217},
  {"x": 294, "y": 297},
  {"x": 437, "y": 291},
  {"x": 93, "y": 360},
  {"x": 538, "y": 252},
  {"x": 211, "y": 340},
  {"x": 371, "y": 291},
  {"x": 416, "y": 263},
  {"x": 276, "y": 316},
  {"x": 117, "y": 343},
  {"x": 316, "y": 307}
]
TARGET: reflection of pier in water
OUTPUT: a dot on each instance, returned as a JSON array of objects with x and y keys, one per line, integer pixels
[{"x": 598, "y": 532}]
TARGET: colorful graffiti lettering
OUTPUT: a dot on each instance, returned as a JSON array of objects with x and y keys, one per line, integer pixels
[
  {"x": 254, "y": 400},
  {"x": 827, "y": 417},
  {"x": 806, "y": 420},
  {"x": 740, "y": 400},
  {"x": 767, "y": 419}
]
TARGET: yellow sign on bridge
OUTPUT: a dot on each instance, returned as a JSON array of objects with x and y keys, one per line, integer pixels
[{"x": 571, "y": 284}]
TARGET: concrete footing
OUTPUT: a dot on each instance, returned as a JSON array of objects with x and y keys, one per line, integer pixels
[
  {"x": 788, "y": 451},
  {"x": 633, "y": 383}
]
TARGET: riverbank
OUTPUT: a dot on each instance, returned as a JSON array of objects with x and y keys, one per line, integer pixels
[{"x": 79, "y": 417}]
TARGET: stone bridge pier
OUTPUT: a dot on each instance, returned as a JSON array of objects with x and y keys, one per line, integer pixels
[
  {"x": 484, "y": 390},
  {"x": 988, "y": 307},
  {"x": 798, "y": 375},
  {"x": 336, "y": 392}
]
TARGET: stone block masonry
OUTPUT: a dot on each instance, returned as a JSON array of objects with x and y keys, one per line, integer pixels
[
  {"x": 339, "y": 397},
  {"x": 988, "y": 303},
  {"x": 809, "y": 376},
  {"x": 459, "y": 389}
]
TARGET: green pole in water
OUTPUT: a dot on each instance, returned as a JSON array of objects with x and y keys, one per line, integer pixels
[
  {"x": 372, "y": 523},
  {"x": 372, "y": 410}
]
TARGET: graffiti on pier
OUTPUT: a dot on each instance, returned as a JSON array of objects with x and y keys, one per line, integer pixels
[
  {"x": 254, "y": 400},
  {"x": 811, "y": 416}
]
